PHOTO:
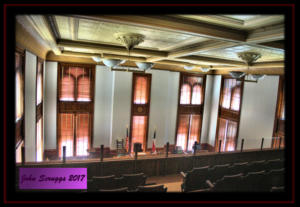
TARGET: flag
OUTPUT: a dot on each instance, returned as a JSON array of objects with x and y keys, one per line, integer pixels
[
  {"x": 127, "y": 140},
  {"x": 153, "y": 143}
]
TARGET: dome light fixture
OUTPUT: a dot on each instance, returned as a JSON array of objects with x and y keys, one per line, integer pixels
[
  {"x": 236, "y": 74},
  {"x": 188, "y": 67},
  {"x": 144, "y": 65},
  {"x": 97, "y": 59},
  {"x": 111, "y": 62},
  {"x": 257, "y": 76},
  {"x": 205, "y": 70}
]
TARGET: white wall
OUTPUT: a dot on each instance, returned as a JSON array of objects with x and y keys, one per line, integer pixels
[
  {"x": 207, "y": 109},
  {"x": 122, "y": 84},
  {"x": 214, "y": 109},
  {"x": 30, "y": 106},
  {"x": 163, "y": 107},
  {"x": 258, "y": 112},
  {"x": 50, "y": 105},
  {"x": 103, "y": 106}
]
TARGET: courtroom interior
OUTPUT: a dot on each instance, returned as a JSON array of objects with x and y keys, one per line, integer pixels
[{"x": 153, "y": 103}]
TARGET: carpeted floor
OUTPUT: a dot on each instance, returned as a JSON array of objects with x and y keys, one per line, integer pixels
[{"x": 172, "y": 182}]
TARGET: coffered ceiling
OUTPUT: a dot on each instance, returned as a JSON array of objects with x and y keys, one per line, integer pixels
[{"x": 175, "y": 40}]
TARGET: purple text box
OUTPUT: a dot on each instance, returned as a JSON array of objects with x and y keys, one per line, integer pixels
[{"x": 53, "y": 178}]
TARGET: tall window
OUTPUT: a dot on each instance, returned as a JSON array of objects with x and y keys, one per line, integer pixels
[
  {"x": 279, "y": 116},
  {"x": 39, "y": 110},
  {"x": 19, "y": 102},
  {"x": 190, "y": 109},
  {"x": 141, "y": 86},
  {"x": 75, "y": 108},
  {"x": 229, "y": 113}
]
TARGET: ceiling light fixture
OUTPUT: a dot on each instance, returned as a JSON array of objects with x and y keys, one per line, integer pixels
[
  {"x": 249, "y": 58},
  {"x": 188, "y": 67},
  {"x": 129, "y": 40},
  {"x": 205, "y": 70},
  {"x": 144, "y": 65},
  {"x": 111, "y": 62},
  {"x": 97, "y": 59}
]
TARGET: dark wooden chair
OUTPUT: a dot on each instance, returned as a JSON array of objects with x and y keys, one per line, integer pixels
[
  {"x": 218, "y": 171},
  {"x": 91, "y": 185},
  {"x": 256, "y": 166},
  {"x": 133, "y": 180},
  {"x": 152, "y": 188},
  {"x": 255, "y": 182},
  {"x": 275, "y": 177},
  {"x": 106, "y": 182},
  {"x": 237, "y": 168},
  {"x": 124, "y": 189},
  {"x": 195, "y": 179},
  {"x": 277, "y": 189},
  {"x": 274, "y": 164},
  {"x": 229, "y": 183}
]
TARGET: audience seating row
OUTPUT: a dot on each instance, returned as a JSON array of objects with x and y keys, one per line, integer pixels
[
  {"x": 147, "y": 188},
  {"x": 197, "y": 177},
  {"x": 252, "y": 182},
  {"x": 125, "y": 183}
]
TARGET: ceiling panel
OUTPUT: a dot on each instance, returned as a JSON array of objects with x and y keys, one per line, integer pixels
[
  {"x": 63, "y": 24},
  {"x": 103, "y": 32},
  {"x": 231, "y": 53}
]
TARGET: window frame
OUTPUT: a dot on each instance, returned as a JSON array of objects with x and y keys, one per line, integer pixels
[
  {"x": 277, "y": 120},
  {"x": 39, "y": 107},
  {"x": 229, "y": 114},
  {"x": 140, "y": 109},
  {"x": 75, "y": 107},
  {"x": 190, "y": 109},
  {"x": 20, "y": 124}
]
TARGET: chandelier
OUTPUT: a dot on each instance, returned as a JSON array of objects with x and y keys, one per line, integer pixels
[
  {"x": 249, "y": 58},
  {"x": 144, "y": 65},
  {"x": 129, "y": 40}
]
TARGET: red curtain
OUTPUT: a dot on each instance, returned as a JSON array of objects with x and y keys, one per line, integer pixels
[
  {"x": 182, "y": 131},
  {"x": 82, "y": 134},
  {"x": 140, "y": 90},
  {"x": 194, "y": 130},
  {"x": 67, "y": 88},
  {"x": 231, "y": 94},
  {"x": 83, "y": 85},
  {"x": 236, "y": 98},
  {"x": 185, "y": 94},
  {"x": 66, "y": 134},
  {"x": 139, "y": 124},
  {"x": 39, "y": 86},
  {"x": 221, "y": 133},
  {"x": 227, "y": 133},
  {"x": 39, "y": 141},
  {"x": 197, "y": 94},
  {"x": 231, "y": 136}
]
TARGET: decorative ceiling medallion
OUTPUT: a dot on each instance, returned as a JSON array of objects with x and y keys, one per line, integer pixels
[
  {"x": 129, "y": 40},
  {"x": 249, "y": 57}
]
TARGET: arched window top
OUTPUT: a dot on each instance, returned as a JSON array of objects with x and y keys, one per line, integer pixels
[
  {"x": 185, "y": 94},
  {"x": 197, "y": 94},
  {"x": 83, "y": 84},
  {"x": 19, "y": 96},
  {"x": 231, "y": 94},
  {"x": 67, "y": 89}
]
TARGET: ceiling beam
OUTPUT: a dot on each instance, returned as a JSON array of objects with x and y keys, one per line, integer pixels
[
  {"x": 174, "y": 24},
  {"x": 110, "y": 48},
  {"x": 104, "y": 55},
  {"x": 211, "y": 60},
  {"x": 267, "y": 34},
  {"x": 195, "y": 48},
  {"x": 275, "y": 44},
  {"x": 40, "y": 24}
]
